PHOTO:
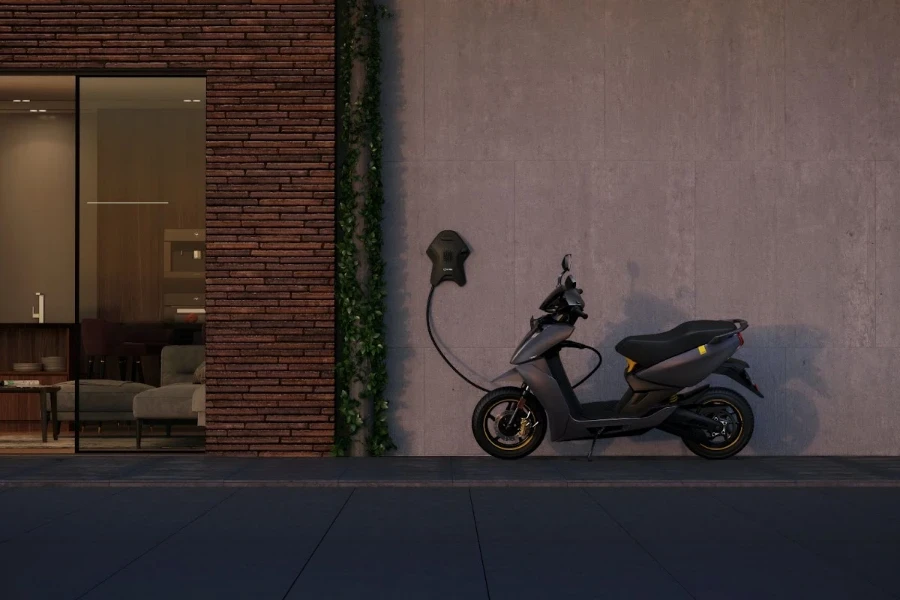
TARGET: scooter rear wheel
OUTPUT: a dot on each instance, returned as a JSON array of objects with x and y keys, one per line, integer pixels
[
  {"x": 734, "y": 412},
  {"x": 505, "y": 431}
]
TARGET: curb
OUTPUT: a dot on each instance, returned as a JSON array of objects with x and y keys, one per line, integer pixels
[{"x": 492, "y": 483}]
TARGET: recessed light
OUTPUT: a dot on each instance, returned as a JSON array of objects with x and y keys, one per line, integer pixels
[
  {"x": 195, "y": 101},
  {"x": 33, "y": 110},
  {"x": 16, "y": 100},
  {"x": 42, "y": 110},
  {"x": 187, "y": 99}
]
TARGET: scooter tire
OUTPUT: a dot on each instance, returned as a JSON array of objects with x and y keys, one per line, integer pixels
[
  {"x": 480, "y": 417},
  {"x": 721, "y": 395}
]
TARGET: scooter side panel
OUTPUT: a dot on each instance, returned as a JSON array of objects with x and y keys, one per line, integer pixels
[
  {"x": 544, "y": 387},
  {"x": 509, "y": 378},
  {"x": 691, "y": 367}
]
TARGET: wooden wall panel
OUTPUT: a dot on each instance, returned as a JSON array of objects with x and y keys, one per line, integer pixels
[{"x": 148, "y": 155}]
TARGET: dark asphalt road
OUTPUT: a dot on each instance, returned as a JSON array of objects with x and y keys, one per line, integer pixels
[{"x": 497, "y": 543}]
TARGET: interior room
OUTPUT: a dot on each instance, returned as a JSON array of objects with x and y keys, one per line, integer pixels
[{"x": 102, "y": 254}]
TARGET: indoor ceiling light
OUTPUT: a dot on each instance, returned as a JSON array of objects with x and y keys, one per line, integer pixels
[
  {"x": 191, "y": 100},
  {"x": 21, "y": 100},
  {"x": 33, "y": 110},
  {"x": 42, "y": 110}
]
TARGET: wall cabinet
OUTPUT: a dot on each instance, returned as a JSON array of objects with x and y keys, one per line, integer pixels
[{"x": 37, "y": 218}]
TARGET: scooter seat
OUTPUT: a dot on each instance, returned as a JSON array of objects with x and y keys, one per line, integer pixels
[{"x": 647, "y": 350}]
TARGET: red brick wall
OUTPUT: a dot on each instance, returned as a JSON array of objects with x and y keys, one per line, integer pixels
[{"x": 270, "y": 188}]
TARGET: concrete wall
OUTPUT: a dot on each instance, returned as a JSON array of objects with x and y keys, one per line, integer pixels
[{"x": 700, "y": 159}]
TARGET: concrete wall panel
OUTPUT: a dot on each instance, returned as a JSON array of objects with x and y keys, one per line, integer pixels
[
  {"x": 887, "y": 211},
  {"x": 842, "y": 79},
  {"x": 826, "y": 254},
  {"x": 498, "y": 88},
  {"x": 695, "y": 78},
  {"x": 699, "y": 159}
]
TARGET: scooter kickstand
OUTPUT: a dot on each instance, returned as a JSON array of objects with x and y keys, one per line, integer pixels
[{"x": 596, "y": 435}]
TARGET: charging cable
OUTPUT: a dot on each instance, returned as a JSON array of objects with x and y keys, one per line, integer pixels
[{"x": 566, "y": 344}]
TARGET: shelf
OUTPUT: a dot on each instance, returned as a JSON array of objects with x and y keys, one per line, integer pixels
[
  {"x": 36, "y": 324},
  {"x": 33, "y": 374}
]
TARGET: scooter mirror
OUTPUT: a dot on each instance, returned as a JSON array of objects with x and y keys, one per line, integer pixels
[
  {"x": 566, "y": 262},
  {"x": 448, "y": 252}
]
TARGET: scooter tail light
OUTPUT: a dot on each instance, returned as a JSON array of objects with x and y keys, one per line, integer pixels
[{"x": 740, "y": 339}]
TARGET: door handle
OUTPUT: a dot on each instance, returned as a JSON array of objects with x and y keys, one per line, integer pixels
[{"x": 39, "y": 315}]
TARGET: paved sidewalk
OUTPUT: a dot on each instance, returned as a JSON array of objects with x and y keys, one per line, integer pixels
[
  {"x": 215, "y": 471},
  {"x": 448, "y": 544}
]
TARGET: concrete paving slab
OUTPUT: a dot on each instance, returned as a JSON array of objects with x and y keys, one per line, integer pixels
[
  {"x": 582, "y": 569},
  {"x": 810, "y": 515},
  {"x": 390, "y": 568},
  {"x": 727, "y": 568},
  {"x": 52, "y": 569},
  {"x": 23, "y": 510},
  {"x": 210, "y": 569},
  {"x": 145, "y": 516},
  {"x": 670, "y": 515},
  {"x": 547, "y": 515},
  {"x": 438, "y": 515},
  {"x": 875, "y": 562}
]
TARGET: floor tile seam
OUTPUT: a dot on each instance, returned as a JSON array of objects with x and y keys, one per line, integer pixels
[
  {"x": 154, "y": 547},
  {"x": 596, "y": 502},
  {"x": 318, "y": 545},
  {"x": 487, "y": 585}
]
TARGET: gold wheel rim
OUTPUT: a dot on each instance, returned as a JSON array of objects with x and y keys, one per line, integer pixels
[
  {"x": 740, "y": 430},
  {"x": 487, "y": 434}
]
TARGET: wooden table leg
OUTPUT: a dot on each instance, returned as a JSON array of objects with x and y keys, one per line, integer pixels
[
  {"x": 53, "y": 415},
  {"x": 43, "y": 395}
]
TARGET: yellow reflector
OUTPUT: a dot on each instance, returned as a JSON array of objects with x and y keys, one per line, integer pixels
[
  {"x": 631, "y": 364},
  {"x": 703, "y": 349}
]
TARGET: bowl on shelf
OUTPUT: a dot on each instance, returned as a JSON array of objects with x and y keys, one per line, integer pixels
[
  {"x": 54, "y": 363},
  {"x": 27, "y": 367}
]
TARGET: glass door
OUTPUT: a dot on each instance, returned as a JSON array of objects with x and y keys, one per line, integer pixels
[
  {"x": 37, "y": 262},
  {"x": 141, "y": 267}
]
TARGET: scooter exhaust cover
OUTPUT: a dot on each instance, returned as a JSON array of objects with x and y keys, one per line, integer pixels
[{"x": 448, "y": 252}]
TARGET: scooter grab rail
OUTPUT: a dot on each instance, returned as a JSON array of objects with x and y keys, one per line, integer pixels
[{"x": 740, "y": 325}]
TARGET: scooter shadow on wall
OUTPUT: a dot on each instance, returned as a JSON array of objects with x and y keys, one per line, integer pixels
[{"x": 786, "y": 419}]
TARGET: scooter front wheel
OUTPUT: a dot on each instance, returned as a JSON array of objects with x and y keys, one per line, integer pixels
[
  {"x": 507, "y": 424},
  {"x": 736, "y": 417}
]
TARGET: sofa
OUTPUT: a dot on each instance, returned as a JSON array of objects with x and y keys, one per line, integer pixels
[
  {"x": 182, "y": 378},
  {"x": 98, "y": 399}
]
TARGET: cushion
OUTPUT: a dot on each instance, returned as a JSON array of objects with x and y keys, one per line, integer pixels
[
  {"x": 167, "y": 402},
  {"x": 99, "y": 395},
  {"x": 178, "y": 363},
  {"x": 200, "y": 373},
  {"x": 198, "y": 405}
]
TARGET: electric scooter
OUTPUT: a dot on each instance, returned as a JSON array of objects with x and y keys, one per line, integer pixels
[
  {"x": 536, "y": 396},
  {"x": 663, "y": 373}
]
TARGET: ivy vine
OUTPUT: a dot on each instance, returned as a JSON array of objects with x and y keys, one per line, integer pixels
[{"x": 361, "y": 369}]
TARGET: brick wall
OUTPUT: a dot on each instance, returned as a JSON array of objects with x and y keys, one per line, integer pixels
[{"x": 270, "y": 188}]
